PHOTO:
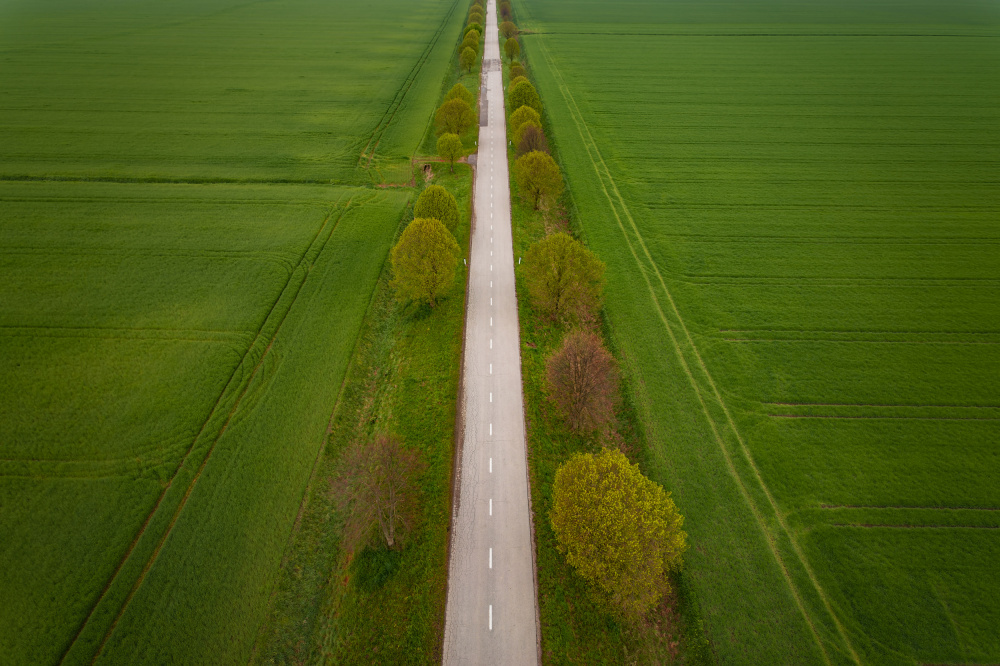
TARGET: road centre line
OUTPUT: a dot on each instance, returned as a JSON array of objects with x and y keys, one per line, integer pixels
[
  {"x": 491, "y": 617},
  {"x": 491, "y": 425},
  {"x": 491, "y": 372},
  {"x": 491, "y": 506},
  {"x": 491, "y": 558},
  {"x": 491, "y": 465}
]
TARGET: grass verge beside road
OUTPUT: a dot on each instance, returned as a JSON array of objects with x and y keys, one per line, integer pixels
[
  {"x": 403, "y": 379},
  {"x": 575, "y": 628}
]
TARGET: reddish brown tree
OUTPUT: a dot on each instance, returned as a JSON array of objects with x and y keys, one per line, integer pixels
[
  {"x": 532, "y": 138},
  {"x": 377, "y": 490},
  {"x": 582, "y": 381}
]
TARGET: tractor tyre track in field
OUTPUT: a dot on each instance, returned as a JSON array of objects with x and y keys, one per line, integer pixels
[
  {"x": 303, "y": 504},
  {"x": 234, "y": 380},
  {"x": 229, "y": 417},
  {"x": 907, "y": 508},
  {"x": 606, "y": 180},
  {"x": 387, "y": 116}
]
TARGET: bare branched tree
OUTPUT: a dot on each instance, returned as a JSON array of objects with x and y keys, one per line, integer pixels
[
  {"x": 378, "y": 493},
  {"x": 583, "y": 381},
  {"x": 532, "y": 138}
]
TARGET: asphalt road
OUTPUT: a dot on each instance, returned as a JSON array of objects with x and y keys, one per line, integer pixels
[{"x": 491, "y": 615}]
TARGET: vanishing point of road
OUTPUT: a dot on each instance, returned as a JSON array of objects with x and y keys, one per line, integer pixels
[{"x": 492, "y": 616}]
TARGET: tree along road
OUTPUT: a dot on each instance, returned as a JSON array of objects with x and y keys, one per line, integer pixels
[{"x": 491, "y": 616}]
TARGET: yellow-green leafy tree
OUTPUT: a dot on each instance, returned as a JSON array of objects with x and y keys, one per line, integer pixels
[
  {"x": 449, "y": 147},
  {"x": 511, "y": 48},
  {"x": 565, "y": 280},
  {"x": 521, "y": 115},
  {"x": 454, "y": 117},
  {"x": 620, "y": 531},
  {"x": 424, "y": 261},
  {"x": 467, "y": 59},
  {"x": 437, "y": 202},
  {"x": 538, "y": 177},
  {"x": 471, "y": 41},
  {"x": 523, "y": 93},
  {"x": 458, "y": 91}
]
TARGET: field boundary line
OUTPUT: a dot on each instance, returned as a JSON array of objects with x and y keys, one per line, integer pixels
[
  {"x": 159, "y": 180},
  {"x": 916, "y": 527},
  {"x": 212, "y": 412},
  {"x": 229, "y": 417},
  {"x": 907, "y": 508},
  {"x": 883, "y": 417},
  {"x": 592, "y": 150}
]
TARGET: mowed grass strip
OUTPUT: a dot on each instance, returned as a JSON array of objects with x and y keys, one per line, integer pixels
[
  {"x": 817, "y": 197},
  {"x": 105, "y": 401}
]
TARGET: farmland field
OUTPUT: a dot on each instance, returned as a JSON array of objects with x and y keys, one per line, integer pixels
[
  {"x": 798, "y": 206},
  {"x": 189, "y": 239}
]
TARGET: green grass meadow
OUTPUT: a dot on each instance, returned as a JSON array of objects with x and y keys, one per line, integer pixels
[
  {"x": 797, "y": 205},
  {"x": 190, "y": 237}
]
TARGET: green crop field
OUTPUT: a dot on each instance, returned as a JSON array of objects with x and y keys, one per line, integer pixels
[
  {"x": 189, "y": 240},
  {"x": 217, "y": 90},
  {"x": 798, "y": 205}
]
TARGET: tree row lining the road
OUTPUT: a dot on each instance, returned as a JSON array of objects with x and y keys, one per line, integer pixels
[
  {"x": 619, "y": 530},
  {"x": 376, "y": 488},
  {"x": 456, "y": 114}
]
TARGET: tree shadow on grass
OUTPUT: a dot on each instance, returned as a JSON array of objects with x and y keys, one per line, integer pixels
[
  {"x": 374, "y": 567},
  {"x": 418, "y": 311}
]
